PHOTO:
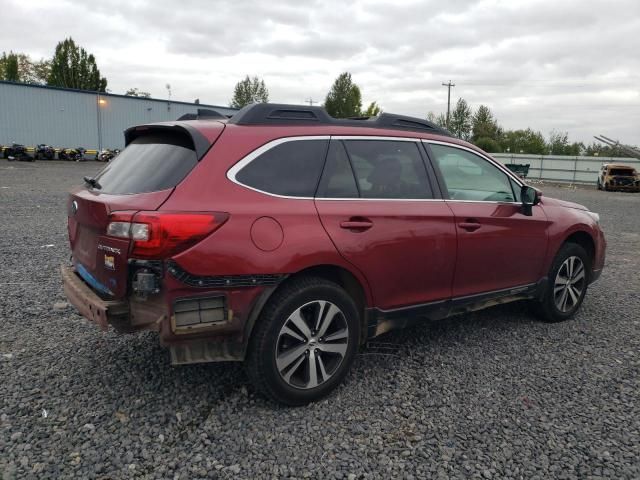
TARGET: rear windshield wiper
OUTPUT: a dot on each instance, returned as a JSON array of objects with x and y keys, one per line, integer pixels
[{"x": 92, "y": 182}]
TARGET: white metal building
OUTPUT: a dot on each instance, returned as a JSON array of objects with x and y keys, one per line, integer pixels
[{"x": 62, "y": 117}]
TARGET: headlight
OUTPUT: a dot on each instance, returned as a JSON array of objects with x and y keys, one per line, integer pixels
[{"x": 595, "y": 216}]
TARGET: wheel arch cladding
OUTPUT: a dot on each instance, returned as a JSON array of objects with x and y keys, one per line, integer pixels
[{"x": 585, "y": 240}]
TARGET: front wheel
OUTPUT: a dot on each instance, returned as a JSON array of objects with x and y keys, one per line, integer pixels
[
  {"x": 567, "y": 285},
  {"x": 305, "y": 341}
]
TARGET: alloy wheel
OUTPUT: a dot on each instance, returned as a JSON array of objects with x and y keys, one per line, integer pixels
[
  {"x": 312, "y": 344},
  {"x": 569, "y": 284}
]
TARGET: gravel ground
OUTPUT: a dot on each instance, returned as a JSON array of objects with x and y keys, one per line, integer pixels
[{"x": 495, "y": 394}]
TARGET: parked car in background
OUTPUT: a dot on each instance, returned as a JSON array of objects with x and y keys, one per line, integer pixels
[
  {"x": 44, "y": 152},
  {"x": 285, "y": 238},
  {"x": 614, "y": 176}
]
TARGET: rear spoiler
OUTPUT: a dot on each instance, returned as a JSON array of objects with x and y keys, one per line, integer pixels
[{"x": 200, "y": 142}]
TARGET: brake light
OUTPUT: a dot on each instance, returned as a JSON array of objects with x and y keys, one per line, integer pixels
[{"x": 161, "y": 235}]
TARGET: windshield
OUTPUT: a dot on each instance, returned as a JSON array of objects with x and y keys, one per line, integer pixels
[{"x": 622, "y": 171}]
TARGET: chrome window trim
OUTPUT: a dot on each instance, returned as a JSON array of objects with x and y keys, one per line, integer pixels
[
  {"x": 233, "y": 171},
  {"x": 358, "y": 199},
  {"x": 483, "y": 201},
  {"x": 375, "y": 137},
  {"x": 246, "y": 160}
]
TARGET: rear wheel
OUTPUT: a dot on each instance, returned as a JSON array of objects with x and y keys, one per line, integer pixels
[
  {"x": 567, "y": 285},
  {"x": 305, "y": 341}
]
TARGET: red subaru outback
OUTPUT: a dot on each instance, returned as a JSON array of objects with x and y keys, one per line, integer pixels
[{"x": 285, "y": 238}]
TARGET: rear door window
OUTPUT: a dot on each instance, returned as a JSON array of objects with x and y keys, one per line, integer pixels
[
  {"x": 150, "y": 163},
  {"x": 388, "y": 169},
  {"x": 337, "y": 178},
  {"x": 290, "y": 169}
]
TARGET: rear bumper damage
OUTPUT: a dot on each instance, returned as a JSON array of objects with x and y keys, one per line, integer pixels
[
  {"x": 196, "y": 326},
  {"x": 89, "y": 304}
]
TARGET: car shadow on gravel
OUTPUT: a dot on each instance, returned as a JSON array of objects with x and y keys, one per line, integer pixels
[
  {"x": 508, "y": 317},
  {"x": 140, "y": 371}
]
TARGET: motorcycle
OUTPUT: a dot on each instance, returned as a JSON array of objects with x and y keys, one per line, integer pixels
[
  {"x": 106, "y": 154},
  {"x": 72, "y": 154},
  {"x": 44, "y": 152},
  {"x": 17, "y": 152}
]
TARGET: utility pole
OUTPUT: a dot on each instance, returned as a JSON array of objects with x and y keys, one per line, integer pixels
[
  {"x": 310, "y": 101},
  {"x": 448, "y": 85}
]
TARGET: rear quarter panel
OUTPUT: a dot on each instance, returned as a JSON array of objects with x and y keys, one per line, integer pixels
[{"x": 231, "y": 250}]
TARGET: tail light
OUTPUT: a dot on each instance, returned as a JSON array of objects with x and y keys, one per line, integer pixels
[{"x": 160, "y": 235}]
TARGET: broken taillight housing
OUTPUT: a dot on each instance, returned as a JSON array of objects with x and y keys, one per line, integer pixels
[{"x": 159, "y": 235}]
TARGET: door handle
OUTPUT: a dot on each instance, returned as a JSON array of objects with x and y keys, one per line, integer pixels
[
  {"x": 360, "y": 225},
  {"x": 469, "y": 225}
]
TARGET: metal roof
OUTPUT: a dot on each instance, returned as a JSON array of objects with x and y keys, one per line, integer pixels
[{"x": 116, "y": 95}]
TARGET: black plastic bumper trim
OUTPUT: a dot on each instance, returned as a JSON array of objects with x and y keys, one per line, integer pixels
[{"x": 223, "y": 281}]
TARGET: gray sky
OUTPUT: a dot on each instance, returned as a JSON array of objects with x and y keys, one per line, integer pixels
[{"x": 567, "y": 65}]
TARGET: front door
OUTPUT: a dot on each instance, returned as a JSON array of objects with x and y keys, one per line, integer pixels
[
  {"x": 498, "y": 246},
  {"x": 377, "y": 205}
]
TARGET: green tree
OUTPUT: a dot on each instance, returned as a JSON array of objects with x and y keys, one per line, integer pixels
[
  {"x": 484, "y": 125},
  {"x": 524, "y": 141},
  {"x": 27, "y": 70},
  {"x": 599, "y": 150},
  {"x": 33, "y": 72},
  {"x": 559, "y": 144},
  {"x": 11, "y": 72},
  {"x": 344, "y": 99},
  {"x": 460, "y": 122},
  {"x": 249, "y": 90},
  {"x": 373, "y": 110},
  {"x": 439, "y": 119},
  {"x": 73, "y": 67},
  {"x": 488, "y": 144},
  {"x": 134, "y": 92}
]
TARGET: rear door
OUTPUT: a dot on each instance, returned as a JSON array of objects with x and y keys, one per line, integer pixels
[
  {"x": 498, "y": 246},
  {"x": 142, "y": 177},
  {"x": 377, "y": 204}
]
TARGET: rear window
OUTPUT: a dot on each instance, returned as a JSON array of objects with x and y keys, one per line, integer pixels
[{"x": 150, "y": 163}]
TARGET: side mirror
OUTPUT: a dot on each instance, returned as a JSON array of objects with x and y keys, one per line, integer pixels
[{"x": 530, "y": 196}]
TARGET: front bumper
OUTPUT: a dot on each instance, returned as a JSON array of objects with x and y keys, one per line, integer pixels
[{"x": 89, "y": 304}]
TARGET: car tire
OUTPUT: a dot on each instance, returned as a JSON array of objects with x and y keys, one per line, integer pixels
[
  {"x": 599, "y": 185},
  {"x": 304, "y": 341},
  {"x": 567, "y": 284}
]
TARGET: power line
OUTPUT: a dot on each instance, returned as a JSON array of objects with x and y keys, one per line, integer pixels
[
  {"x": 448, "y": 85},
  {"x": 310, "y": 101}
]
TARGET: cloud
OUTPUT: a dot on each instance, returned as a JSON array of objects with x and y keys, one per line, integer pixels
[{"x": 570, "y": 65}]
